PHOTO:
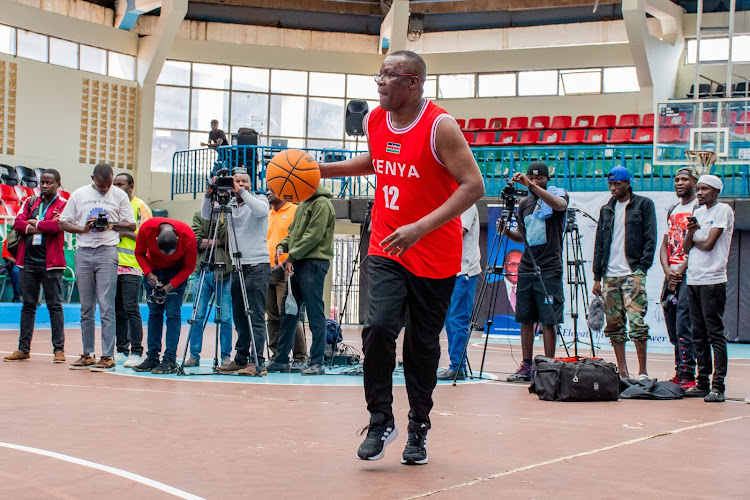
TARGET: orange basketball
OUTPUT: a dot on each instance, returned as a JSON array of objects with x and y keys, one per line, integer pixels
[{"x": 293, "y": 175}]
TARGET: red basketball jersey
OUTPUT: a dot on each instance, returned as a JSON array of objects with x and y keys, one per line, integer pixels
[{"x": 412, "y": 182}]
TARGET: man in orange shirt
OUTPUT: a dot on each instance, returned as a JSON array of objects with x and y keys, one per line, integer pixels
[{"x": 279, "y": 219}]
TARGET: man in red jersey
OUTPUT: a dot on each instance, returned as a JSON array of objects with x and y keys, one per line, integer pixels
[{"x": 426, "y": 178}]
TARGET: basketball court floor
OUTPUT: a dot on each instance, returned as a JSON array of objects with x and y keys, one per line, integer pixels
[{"x": 76, "y": 434}]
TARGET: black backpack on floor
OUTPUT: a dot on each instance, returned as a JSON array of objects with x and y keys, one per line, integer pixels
[{"x": 582, "y": 379}]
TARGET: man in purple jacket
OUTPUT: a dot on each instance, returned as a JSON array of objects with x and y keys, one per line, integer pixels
[{"x": 41, "y": 258}]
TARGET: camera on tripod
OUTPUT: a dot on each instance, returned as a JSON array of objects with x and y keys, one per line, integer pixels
[
  {"x": 101, "y": 223},
  {"x": 158, "y": 294},
  {"x": 223, "y": 186},
  {"x": 510, "y": 195}
]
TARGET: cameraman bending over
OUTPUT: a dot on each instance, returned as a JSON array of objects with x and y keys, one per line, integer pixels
[
  {"x": 166, "y": 250},
  {"x": 250, "y": 220},
  {"x": 541, "y": 221}
]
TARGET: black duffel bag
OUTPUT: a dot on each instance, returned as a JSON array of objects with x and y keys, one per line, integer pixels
[{"x": 583, "y": 379}]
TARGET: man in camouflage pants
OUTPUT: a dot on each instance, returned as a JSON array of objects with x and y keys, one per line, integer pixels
[{"x": 623, "y": 253}]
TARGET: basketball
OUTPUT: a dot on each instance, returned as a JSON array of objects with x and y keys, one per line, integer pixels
[{"x": 293, "y": 175}]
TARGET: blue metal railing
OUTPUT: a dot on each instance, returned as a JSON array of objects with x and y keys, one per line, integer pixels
[{"x": 575, "y": 168}]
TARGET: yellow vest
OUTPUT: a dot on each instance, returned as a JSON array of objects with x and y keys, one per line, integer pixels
[{"x": 126, "y": 247}]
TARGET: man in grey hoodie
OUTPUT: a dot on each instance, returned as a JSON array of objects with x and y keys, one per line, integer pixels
[{"x": 249, "y": 212}]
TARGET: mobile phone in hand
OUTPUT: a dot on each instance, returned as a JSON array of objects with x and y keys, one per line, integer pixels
[{"x": 692, "y": 219}]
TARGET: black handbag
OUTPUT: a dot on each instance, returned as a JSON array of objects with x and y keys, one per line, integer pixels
[{"x": 581, "y": 379}]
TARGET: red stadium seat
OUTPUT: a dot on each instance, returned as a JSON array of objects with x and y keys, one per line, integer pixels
[
  {"x": 37, "y": 191},
  {"x": 574, "y": 137},
  {"x": 621, "y": 136},
  {"x": 629, "y": 121},
  {"x": 23, "y": 192},
  {"x": 8, "y": 193},
  {"x": 497, "y": 123},
  {"x": 539, "y": 122},
  {"x": 12, "y": 208},
  {"x": 670, "y": 135},
  {"x": 551, "y": 137},
  {"x": 506, "y": 139},
  {"x": 673, "y": 121},
  {"x": 743, "y": 119},
  {"x": 483, "y": 139},
  {"x": 648, "y": 120},
  {"x": 476, "y": 124},
  {"x": 461, "y": 123},
  {"x": 586, "y": 121},
  {"x": 561, "y": 122},
  {"x": 2, "y": 210},
  {"x": 64, "y": 195},
  {"x": 596, "y": 136},
  {"x": 518, "y": 123},
  {"x": 644, "y": 136},
  {"x": 742, "y": 131},
  {"x": 708, "y": 118},
  {"x": 606, "y": 121},
  {"x": 528, "y": 138},
  {"x": 469, "y": 136}
]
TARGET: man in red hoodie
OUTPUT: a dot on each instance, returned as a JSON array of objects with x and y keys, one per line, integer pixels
[
  {"x": 41, "y": 258},
  {"x": 166, "y": 250}
]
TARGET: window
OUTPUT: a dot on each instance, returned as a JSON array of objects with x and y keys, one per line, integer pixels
[
  {"x": 455, "y": 86},
  {"x": 249, "y": 111},
  {"x": 537, "y": 83},
  {"x": 171, "y": 107},
  {"x": 93, "y": 59},
  {"x": 32, "y": 45},
  {"x": 288, "y": 116},
  {"x": 430, "y": 88},
  {"x": 252, "y": 79},
  {"x": 621, "y": 80},
  {"x": 288, "y": 82},
  {"x": 325, "y": 118},
  {"x": 63, "y": 53},
  {"x": 502, "y": 85},
  {"x": 581, "y": 81},
  {"x": 165, "y": 144},
  {"x": 327, "y": 84},
  {"x": 175, "y": 73},
  {"x": 361, "y": 87},
  {"x": 211, "y": 76},
  {"x": 121, "y": 66},
  {"x": 207, "y": 105},
  {"x": 740, "y": 48},
  {"x": 7, "y": 40},
  {"x": 712, "y": 50}
]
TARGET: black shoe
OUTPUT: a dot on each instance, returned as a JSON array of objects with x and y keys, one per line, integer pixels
[
  {"x": 147, "y": 365},
  {"x": 415, "y": 452},
  {"x": 16, "y": 298},
  {"x": 697, "y": 392},
  {"x": 298, "y": 366},
  {"x": 378, "y": 437},
  {"x": 314, "y": 370},
  {"x": 523, "y": 374},
  {"x": 714, "y": 397},
  {"x": 449, "y": 374},
  {"x": 278, "y": 367},
  {"x": 166, "y": 366}
]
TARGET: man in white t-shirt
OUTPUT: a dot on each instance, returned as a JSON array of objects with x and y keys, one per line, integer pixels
[
  {"x": 95, "y": 213},
  {"x": 674, "y": 297},
  {"x": 623, "y": 253},
  {"x": 709, "y": 236},
  {"x": 458, "y": 318}
]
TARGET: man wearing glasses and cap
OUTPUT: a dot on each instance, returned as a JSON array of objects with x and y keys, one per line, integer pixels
[
  {"x": 707, "y": 242},
  {"x": 623, "y": 254}
]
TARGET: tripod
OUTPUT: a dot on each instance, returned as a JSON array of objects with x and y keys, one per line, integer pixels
[{"x": 220, "y": 210}]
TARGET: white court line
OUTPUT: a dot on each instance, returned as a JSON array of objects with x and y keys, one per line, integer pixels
[
  {"x": 575, "y": 455},
  {"x": 105, "y": 468}
]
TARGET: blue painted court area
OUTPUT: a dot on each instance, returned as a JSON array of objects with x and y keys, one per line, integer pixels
[{"x": 336, "y": 376}]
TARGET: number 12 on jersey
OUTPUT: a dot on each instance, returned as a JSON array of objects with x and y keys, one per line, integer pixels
[{"x": 390, "y": 194}]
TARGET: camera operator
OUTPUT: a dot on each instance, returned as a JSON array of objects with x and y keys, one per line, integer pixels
[
  {"x": 249, "y": 212},
  {"x": 541, "y": 223},
  {"x": 673, "y": 260},
  {"x": 96, "y": 213},
  {"x": 166, "y": 250}
]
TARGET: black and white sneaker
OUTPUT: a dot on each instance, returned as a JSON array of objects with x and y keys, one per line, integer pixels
[
  {"x": 415, "y": 452},
  {"x": 378, "y": 437}
]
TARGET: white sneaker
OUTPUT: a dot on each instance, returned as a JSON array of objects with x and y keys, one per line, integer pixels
[
  {"x": 642, "y": 377},
  {"x": 133, "y": 360},
  {"x": 120, "y": 358}
]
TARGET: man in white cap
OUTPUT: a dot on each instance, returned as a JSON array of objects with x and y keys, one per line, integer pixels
[{"x": 709, "y": 235}]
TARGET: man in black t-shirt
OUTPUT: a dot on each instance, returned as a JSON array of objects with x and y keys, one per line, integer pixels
[
  {"x": 541, "y": 222},
  {"x": 216, "y": 137}
]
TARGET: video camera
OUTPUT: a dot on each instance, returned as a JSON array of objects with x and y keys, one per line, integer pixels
[
  {"x": 510, "y": 195},
  {"x": 101, "y": 223},
  {"x": 158, "y": 294},
  {"x": 223, "y": 186}
]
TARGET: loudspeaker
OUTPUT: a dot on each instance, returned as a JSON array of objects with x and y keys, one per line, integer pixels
[
  {"x": 246, "y": 140},
  {"x": 355, "y": 114}
]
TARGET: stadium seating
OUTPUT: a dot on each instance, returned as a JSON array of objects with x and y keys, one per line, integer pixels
[
  {"x": 561, "y": 122},
  {"x": 670, "y": 135},
  {"x": 644, "y": 136},
  {"x": 23, "y": 192},
  {"x": 648, "y": 120},
  {"x": 550, "y": 137},
  {"x": 507, "y": 139},
  {"x": 606, "y": 121},
  {"x": 629, "y": 121},
  {"x": 576, "y": 136},
  {"x": 518, "y": 123},
  {"x": 497, "y": 123},
  {"x": 469, "y": 136},
  {"x": 528, "y": 138},
  {"x": 27, "y": 176},
  {"x": 476, "y": 124},
  {"x": 597, "y": 136},
  {"x": 539, "y": 122},
  {"x": 620, "y": 136},
  {"x": 483, "y": 139},
  {"x": 64, "y": 195},
  {"x": 586, "y": 121}
]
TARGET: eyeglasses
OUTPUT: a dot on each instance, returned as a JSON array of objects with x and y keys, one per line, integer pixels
[{"x": 387, "y": 77}]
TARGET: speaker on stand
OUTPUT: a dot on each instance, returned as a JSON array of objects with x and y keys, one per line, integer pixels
[{"x": 356, "y": 110}]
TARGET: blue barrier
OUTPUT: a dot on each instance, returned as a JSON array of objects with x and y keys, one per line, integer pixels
[{"x": 575, "y": 168}]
